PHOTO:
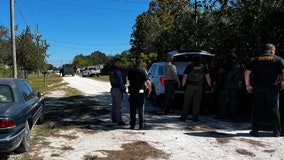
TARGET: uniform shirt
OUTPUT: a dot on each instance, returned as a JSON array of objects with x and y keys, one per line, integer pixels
[
  {"x": 170, "y": 72},
  {"x": 137, "y": 78},
  {"x": 265, "y": 69},
  {"x": 191, "y": 66},
  {"x": 116, "y": 80}
]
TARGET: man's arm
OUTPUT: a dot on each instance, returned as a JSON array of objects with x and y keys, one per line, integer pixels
[
  {"x": 174, "y": 72},
  {"x": 184, "y": 79},
  {"x": 282, "y": 81},
  {"x": 247, "y": 81},
  {"x": 208, "y": 79},
  {"x": 149, "y": 87}
]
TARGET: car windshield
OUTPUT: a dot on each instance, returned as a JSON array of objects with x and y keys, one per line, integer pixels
[{"x": 5, "y": 94}]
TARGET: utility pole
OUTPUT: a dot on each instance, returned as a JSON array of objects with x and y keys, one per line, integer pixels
[
  {"x": 195, "y": 12},
  {"x": 37, "y": 44},
  {"x": 12, "y": 25}
]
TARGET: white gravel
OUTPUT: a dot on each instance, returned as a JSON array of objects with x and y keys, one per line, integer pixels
[{"x": 182, "y": 140}]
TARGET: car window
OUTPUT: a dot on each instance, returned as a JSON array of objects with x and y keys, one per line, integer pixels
[
  {"x": 26, "y": 92},
  {"x": 32, "y": 91},
  {"x": 152, "y": 70},
  {"x": 6, "y": 94},
  {"x": 160, "y": 70}
]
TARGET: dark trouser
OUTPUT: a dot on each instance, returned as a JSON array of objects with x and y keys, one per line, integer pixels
[
  {"x": 136, "y": 101},
  {"x": 117, "y": 100},
  {"x": 169, "y": 94},
  {"x": 227, "y": 96},
  {"x": 266, "y": 98},
  {"x": 193, "y": 94}
]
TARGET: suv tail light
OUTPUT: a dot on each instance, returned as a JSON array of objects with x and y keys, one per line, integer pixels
[
  {"x": 162, "y": 80},
  {"x": 6, "y": 123}
]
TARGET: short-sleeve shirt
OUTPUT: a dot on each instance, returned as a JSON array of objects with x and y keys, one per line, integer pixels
[
  {"x": 137, "y": 78},
  {"x": 170, "y": 72},
  {"x": 190, "y": 67},
  {"x": 265, "y": 69}
]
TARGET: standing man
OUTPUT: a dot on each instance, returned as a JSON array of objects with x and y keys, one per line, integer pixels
[
  {"x": 171, "y": 79},
  {"x": 193, "y": 78},
  {"x": 232, "y": 77},
  {"x": 138, "y": 77},
  {"x": 265, "y": 70},
  {"x": 117, "y": 91}
]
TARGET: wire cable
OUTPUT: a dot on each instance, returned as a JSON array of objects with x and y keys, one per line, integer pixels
[{"x": 21, "y": 13}]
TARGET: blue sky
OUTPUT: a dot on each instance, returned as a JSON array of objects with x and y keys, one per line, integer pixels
[{"x": 73, "y": 27}]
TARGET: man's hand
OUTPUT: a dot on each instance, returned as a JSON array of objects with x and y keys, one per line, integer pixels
[
  {"x": 249, "y": 88},
  {"x": 282, "y": 84}
]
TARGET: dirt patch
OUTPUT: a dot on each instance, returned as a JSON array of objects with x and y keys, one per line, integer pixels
[
  {"x": 139, "y": 150},
  {"x": 253, "y": 142},
  {"x": 223, "y": 140},
  {"x": 245, "y": 152}
]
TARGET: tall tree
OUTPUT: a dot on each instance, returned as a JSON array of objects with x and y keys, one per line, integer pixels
[
  {"x": 30, "y": 54},
  {"x": 5, "y": 48}
]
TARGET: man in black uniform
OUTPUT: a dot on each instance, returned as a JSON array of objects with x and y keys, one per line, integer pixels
[
  {"x": 231, "y": 77},
  {"x": 138, "y": 77},
  {"x": 265, "y": 70}
]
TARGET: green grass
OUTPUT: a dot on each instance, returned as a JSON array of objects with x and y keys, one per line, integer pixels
[{"x": 52, "y": 82}]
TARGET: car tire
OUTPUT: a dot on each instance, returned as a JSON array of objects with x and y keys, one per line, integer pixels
[{"x": 26, "y": 140}]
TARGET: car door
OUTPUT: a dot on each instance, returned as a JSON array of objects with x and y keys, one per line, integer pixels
[{"x": 31, "y": 104}]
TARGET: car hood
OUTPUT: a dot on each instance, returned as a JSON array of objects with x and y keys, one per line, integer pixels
[{"x": 5, "y": 108}]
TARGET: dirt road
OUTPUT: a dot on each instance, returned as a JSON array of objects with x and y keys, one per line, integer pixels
[{"x": 165, "y": 138}]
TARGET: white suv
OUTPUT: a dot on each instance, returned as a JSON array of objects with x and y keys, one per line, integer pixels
[{"x": 181, "y": 59}]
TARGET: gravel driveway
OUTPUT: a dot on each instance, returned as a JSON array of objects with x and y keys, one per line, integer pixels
[{"x": 208, "y": 139}]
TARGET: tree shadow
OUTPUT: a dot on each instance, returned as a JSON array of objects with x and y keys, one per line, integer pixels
[{"x": 79, "y": 111}]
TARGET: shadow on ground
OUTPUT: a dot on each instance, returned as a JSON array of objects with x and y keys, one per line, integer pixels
[{"x": 81, "y": 111}]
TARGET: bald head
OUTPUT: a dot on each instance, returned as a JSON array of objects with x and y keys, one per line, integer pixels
[{"x": 269, "y": 48}]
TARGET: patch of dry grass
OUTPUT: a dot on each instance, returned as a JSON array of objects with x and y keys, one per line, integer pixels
[
  {"x": 139, "y": 150},
  {"x": 245, "y": 152},
  {"x": 66, "y": 148}
]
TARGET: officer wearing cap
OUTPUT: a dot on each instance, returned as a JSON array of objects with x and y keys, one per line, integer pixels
[{"x": 265, "y": 70}]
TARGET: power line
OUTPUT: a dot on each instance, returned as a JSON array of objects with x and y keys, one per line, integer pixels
[
  {"x": 84, "y": 44},
  {"x": 21, "y": 13},
  {"x": 87, "y": 6},
  {"x": 130, "y": 1}
]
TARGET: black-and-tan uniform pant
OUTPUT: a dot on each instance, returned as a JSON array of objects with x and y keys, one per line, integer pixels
[
  {"x": 266, "y": 100},
  {"x": 193, "y": 94}
]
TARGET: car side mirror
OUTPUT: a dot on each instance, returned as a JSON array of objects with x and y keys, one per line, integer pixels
[{"x": 40, "y": 94}]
